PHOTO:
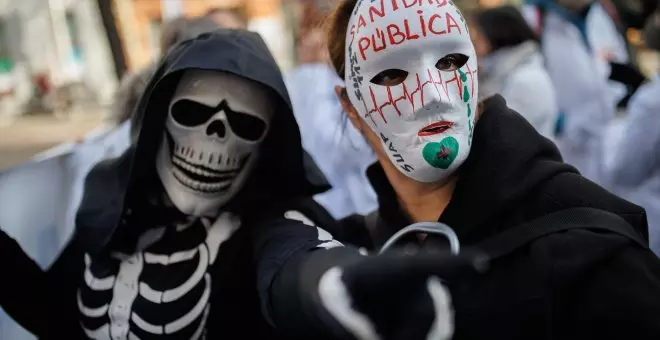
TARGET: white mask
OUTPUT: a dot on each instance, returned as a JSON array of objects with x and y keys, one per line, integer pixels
[
  {"x": 425, "y": 117},
  {"x": 214, "y": 127}
]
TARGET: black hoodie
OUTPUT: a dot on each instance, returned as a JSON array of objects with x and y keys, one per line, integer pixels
[
  {"x": 579, "y": 284},
  {"x": 121, "y": 202},
  {"x": 576, "y": 284}
]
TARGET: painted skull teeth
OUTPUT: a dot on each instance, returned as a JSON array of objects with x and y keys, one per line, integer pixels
[
  {"x": 199, "y": 170},
  {"x": 209, "y": 172},
  {"x": 212, "y": 160},
  {"x": 209, "y": 188}
]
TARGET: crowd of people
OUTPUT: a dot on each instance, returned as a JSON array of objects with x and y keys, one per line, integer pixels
[{"x": 448, "y": 179}]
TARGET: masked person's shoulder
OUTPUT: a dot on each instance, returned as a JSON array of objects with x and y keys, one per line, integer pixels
[
  {"x": 569, "y": 189},
  {"x": 613, "y": 244},
  {"x": 603, "y": 277}
]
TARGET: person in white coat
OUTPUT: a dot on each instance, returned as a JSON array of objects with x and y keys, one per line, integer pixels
[
  {"x": 634, "y": 171},
  {"x": 340, "y": 151},
  {"x": 574, "y": 55},
  {"x": 511, "y": 64}
]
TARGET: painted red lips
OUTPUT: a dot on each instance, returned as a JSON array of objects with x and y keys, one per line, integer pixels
[{"x": 435, "y": 128}]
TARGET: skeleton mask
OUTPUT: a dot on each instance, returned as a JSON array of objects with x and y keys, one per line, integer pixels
[{"x": 214, "y": 127}]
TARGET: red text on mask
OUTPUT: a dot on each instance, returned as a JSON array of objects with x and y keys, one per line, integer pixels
[{"x": 396, "y": 33}]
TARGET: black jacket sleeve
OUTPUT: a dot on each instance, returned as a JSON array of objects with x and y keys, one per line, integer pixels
[
  {"x": 63, "y": 279},
  {"x": 42, "y": 302},
  {"x": 22, "y": 285},
  {"x": 292, "y": 254}
]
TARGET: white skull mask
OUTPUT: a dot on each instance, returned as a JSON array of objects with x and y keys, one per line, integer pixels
[{"x": 215, "y": 124}]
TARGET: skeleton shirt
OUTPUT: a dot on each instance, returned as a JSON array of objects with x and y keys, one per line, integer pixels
[{"x": 157, "y": 293}]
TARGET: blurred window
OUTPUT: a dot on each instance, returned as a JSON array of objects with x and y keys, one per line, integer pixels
[
  {"x": 6, "y": 63},
  {"x": 74, "y": 34},
  {"x": 155, "y": 33}
]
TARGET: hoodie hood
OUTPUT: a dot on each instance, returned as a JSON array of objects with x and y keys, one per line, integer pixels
[
  {"x": 508, "y": 162},
  {"x": 125, "y": 191}
]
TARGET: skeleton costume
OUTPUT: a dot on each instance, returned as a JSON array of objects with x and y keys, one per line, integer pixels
[{"x": 162, "y": 243}]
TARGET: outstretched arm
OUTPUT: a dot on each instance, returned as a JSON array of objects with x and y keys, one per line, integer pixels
[
  {"x": 283, "y": 250},
  {"x": 312, "y": 286}
]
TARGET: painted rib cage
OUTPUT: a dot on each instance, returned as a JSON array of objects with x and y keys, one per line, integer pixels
[{"x": 151, "y": 295}]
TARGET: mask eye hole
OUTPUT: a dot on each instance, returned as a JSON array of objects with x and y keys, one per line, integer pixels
[
  {"x": 246, "y": 126},
  {"x": 242, "y": 124},
  {"x": 390, "y": 77},
  {"x": 452, "y": 62},
  {"x": 190, "y": 114}
]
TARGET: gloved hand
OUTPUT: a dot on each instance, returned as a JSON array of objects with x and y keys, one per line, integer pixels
[{"x": 395, "y": 296}]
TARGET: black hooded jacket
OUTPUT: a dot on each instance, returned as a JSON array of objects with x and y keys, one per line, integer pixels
[
  {"x": 121, "y": 201},
  {"x": 576, "y": 284}
]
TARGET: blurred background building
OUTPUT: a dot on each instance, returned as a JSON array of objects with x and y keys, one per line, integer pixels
[
  {"x": 56, "y": 55},
  {"x": 63, "y": 58},
  {"x": 52, "y": 44},
  {"x": 139, "y": 23}
]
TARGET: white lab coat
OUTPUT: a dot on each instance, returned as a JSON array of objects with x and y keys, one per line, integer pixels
[
  {"x": 584, "y": 94},
  {"x": 519, "y": 75},
  {"x": 602, "y": 32},
  {"x": 633, "y": 156},
  {"x": 606, "y": 40},
  {"x": 336, "y": 146}
]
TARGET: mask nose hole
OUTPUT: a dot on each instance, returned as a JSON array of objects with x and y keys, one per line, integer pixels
[{"x": 217, "y": 127}]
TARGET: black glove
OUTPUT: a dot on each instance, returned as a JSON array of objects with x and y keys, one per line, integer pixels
[{"x": 396, "y": 296}]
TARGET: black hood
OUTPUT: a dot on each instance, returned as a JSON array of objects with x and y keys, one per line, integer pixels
[
  {"x": 508, "y": 162},
  {"x": 119, "y": 189}
]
